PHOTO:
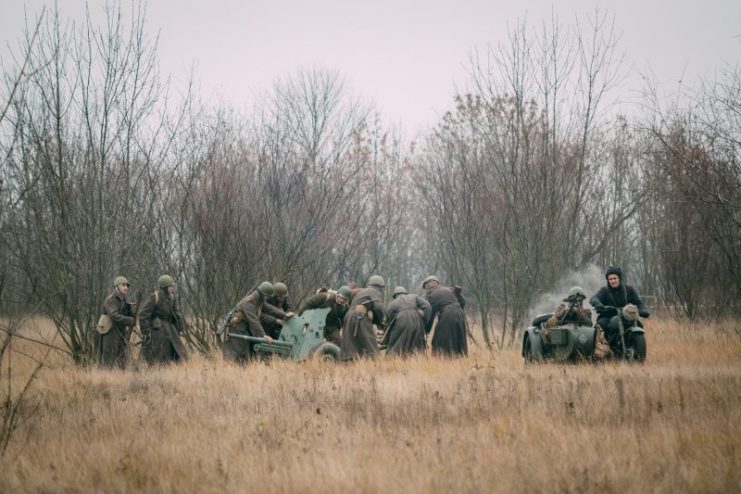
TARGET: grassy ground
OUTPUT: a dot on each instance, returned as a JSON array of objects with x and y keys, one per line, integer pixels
[{"x": 481, "y": 424}]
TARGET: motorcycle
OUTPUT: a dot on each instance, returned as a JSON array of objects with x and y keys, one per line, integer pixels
[{"x": 625, "y": 333}]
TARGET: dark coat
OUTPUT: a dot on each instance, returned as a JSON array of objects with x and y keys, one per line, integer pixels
[
  {"x": 335, "y": 317},
  {"x": 358, "y": 333},
  {"x": 408, "y": 316},
  {"x": 114, "y": 345},
  {"x": 249, "y": 310},
  {"x": 269, "y": 322},
  {"x": 161, "y": 326},
  {"x": 450, "y": 332},
  {"x": 620, "y": 296}
]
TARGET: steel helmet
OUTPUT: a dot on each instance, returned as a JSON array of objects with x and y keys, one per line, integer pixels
[
  {"x": 345, "y": 292},
  {"x": 280, "y": 289},
  {"x": 165, "y": 280},
  {"x": 400, "y": 290},
  {"x": 120, "y": 280},
  {"x": 432, "y": 277},
  {"x": 376, "y": 280},
  {"x": 266, "y": 288},
  {"x": 575, "y": 291}
]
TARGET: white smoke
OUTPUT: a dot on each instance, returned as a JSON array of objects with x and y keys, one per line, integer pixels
[{"x": 590, "y": 278}]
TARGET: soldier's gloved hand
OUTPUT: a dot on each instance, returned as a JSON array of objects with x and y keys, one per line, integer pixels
[
  {"x": 606, "y": 310},
  {"x": 268, "y": 338},
  {"x": 290, "y": 315},
  {"x": 128, "y": 321}
]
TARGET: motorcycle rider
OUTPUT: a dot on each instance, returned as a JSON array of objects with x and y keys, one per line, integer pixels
[{"x": 615, "y": 294}]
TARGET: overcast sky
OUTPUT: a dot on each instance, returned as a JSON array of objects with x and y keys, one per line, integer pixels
[{"x": 406, "y": 56}]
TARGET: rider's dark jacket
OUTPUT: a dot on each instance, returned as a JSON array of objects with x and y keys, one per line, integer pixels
[{"x": 620, "y": 296}]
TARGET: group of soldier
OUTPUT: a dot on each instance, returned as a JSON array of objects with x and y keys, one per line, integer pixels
[{"x": 357, "y": 318}]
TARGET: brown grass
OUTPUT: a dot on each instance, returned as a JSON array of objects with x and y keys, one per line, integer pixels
[{"x": 482, "y": 424}]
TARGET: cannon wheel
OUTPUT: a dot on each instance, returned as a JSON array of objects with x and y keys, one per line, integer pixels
[{"x": 326, "y": 351}]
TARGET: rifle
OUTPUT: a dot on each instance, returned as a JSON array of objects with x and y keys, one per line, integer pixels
[
  {"x": 133, "y": 329},
  {"x": 574, "y": 300}
]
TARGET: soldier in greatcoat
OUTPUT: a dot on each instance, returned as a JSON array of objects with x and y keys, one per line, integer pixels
[
  {"x": 272, "y": 325},
  {"x": 366, "y": 311},
  {"x": 114, "y": 344},
  {"x": 246, "y": 321},
  {"x": 447, "y": 305},
  {"x": 162, "y": 325},
  {"x": 408, "y": 316},
  {"x": 337, "y": 302}
]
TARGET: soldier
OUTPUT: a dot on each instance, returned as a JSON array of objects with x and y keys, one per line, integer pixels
[
  {"x": 162, "y": 324},
  {"x": 615, "y": 294},
  {"x": 366, "y": 310},
  {"x": 114, "y": 344},
  {"x": 279, "y": 299},
  {"x": 447, "y": 304},
  {"x": 337, "y": 302},
  {"x": 570, "y": 310},
  {"x": 246, "y": 321},
  {"x": 409, "y": 315}
]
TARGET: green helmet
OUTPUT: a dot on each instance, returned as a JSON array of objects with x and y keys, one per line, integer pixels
[
  {"x": 376, "y": 280},
  {"x": 400, "y": 290},
  {"x": 120, "y": 280},
  {"x": 165, "y": 280},
  {"x": 266, "y": 288},
  {"x": 432, "y": 277},
  {"x": 345, "y": 292},
  {"x": 574, "y": 292},
  {"x": 280, "y": 289}
]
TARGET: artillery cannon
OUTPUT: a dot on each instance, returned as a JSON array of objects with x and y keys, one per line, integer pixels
[{"x": 301, "y": 338}]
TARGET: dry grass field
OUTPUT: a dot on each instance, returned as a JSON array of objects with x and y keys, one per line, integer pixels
[{"x": 487, "y": 423}]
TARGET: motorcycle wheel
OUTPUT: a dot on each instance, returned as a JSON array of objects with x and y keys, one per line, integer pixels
[{"x": 639, "y": 346}]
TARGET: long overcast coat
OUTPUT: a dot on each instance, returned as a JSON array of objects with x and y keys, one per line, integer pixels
[
  {"x": 450, "y": 333},
  {"x": 270, "y": 322},
  {"x": 408, "y": 316},
  {"x": 249, "y": 310},
  {"x": 358, "y": 334},
  {"x": 114, "y": 345},
  {"x": 161, "y": 325}
]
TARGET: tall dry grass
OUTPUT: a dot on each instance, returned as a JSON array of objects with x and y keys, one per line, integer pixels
[{"x": 482, "y": 424}]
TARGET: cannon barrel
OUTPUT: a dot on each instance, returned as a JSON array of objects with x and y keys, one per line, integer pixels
[{"x": 258, "y": 339}]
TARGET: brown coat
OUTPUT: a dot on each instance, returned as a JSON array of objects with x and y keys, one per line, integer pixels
[
  {"x": 249, "y": 310},
  {"x": 161, "y": 325},
  {"x": 450, "y": 332},
  {"x": 269, "y": 322},
  {"x": 577, "y": 313},
  {"x": 114, "y": 345},
  {"x": 335, "y": 318},
  {"x": 358, "y": 333},
  {"x": 408, "y": 315}
]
